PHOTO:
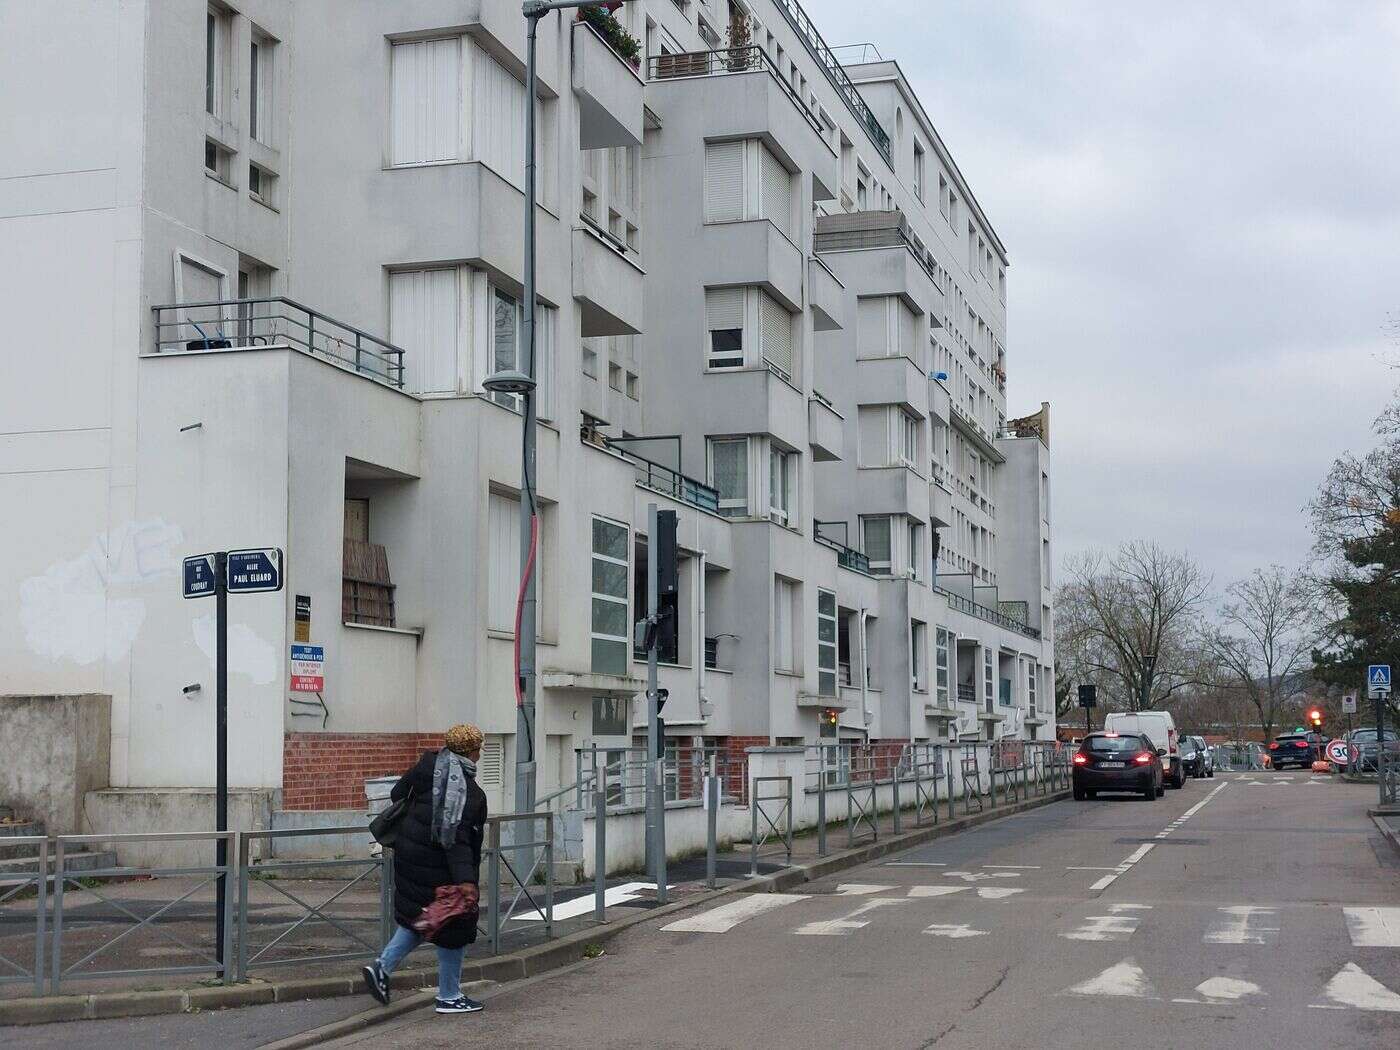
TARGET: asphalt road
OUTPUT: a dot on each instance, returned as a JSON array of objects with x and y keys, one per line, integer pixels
[{"x": 1248, "y": 910}]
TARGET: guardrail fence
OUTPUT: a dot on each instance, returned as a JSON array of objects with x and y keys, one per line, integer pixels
[
  {"x": 12, "y": 970},
  {"x": 772, "y": 801}
]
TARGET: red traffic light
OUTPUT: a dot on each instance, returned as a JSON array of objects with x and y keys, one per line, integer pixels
[{"x": 1315, "y": 716}]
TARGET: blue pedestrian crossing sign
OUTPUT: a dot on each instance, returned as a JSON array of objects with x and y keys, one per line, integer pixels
[{"x": 1378, "y": 678}]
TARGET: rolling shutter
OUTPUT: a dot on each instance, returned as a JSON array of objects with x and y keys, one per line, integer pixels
[
  {"x": 427, "y": 103},
  {"x": 776, "y": 184},
  {"x": 423, "y": 319},
  {"x": 724, "y": 182},
  {"x": 775, "y": 334}
]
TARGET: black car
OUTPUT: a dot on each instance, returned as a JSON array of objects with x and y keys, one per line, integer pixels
[
  {"x": 1117, "y": 762},
  {"x": 1193, "y": 757},
  {"x": 1292, "y": 749}
]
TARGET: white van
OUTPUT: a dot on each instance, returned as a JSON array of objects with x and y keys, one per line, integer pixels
[{"x": 1160, "y": 728}]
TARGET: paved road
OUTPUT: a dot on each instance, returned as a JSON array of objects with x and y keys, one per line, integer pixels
[{"x": 1247, "y": 910}]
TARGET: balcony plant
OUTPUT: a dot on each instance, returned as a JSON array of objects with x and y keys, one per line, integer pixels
[{"x": 600, "y": 17}]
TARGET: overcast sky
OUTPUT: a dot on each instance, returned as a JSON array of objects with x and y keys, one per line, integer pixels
[{"x": 1201, "y": 202}]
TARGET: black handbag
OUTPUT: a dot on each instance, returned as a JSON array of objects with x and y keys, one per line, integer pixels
[{"x": 385, "y": 825}]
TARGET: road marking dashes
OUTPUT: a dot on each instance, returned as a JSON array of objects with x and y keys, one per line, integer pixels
[
  {"x": 1142, "y": 851},
  {"x": 727, "y": 916},
  {"x": 1353, "y": 986},
  {"x": 1123, "y": 979},
  {"x": 847, "y": 923},
  {"x": 1373, "y": 927},
  {"x": 934, "y": 891},
  {"x": 1244, "y": 924},
  {"x": 860, "y": 889},
  {"x": 980, "y": 876},
  {"x": 1118, "y": 926},
  {"x": 1225, "y": 989},
  {"x": 957, "y": 931},
  {"x": 996, "y": 893}
]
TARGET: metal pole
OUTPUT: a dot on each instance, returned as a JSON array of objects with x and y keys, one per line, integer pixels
[
  {"x": 525, "y": 709},
  {"x": 241, "y": 969},
  {"x": 894, "y": 795},
  {"x": 1380, "y": 748},
  {"x": 600, "y": 836},
  {"x": 821, "y": 798},
  {"x": 753, "y": 830},
  {"x": 41, "y": 887},
  {"x": 712, "y": 828},
  {"x": 952, "y": 813},
  {"x": 220, "y": 749},
  {"x": 493, "y": 870},
  {"x": 656, "y": 799}
]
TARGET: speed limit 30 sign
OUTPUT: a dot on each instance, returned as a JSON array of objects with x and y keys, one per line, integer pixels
[{"x": 1338, "y": 752}]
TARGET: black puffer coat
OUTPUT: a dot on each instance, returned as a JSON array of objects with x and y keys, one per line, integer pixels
[{"x": 421, "y": 865}]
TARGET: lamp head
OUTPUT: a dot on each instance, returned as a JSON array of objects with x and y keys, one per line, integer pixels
[{"x": 510, "y": 381}]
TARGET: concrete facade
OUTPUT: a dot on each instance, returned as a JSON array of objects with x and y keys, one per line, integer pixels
[
  {"x": 374, "y": 174},
  {"x": 57, "y": 749}
]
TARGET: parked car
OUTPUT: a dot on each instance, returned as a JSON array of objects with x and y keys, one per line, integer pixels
[
  {"x": 1196, "y": 759},
  {"x": 1292, "y": 749},
  {"x": 1364, "y": 748},
  {"x": 1160, "y": 728},
  {"x": 1111, "y": 761}
]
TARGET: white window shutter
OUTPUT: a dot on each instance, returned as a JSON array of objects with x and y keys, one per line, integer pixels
[
  {"x": 775, "y": 333},
  {"x": 498, "y": 119},
  {"x": 776, "y": 183},
  {"x": 724, "y": 181},
  {"x": 426, "y": 117},
  {"x": 423, "y": 320}
]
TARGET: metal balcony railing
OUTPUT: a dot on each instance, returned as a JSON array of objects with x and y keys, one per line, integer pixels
[
  {"x": 831, "y": 66},
  {"x": 982, "y": 612},
  {"x": 876, "y": 234},
  {"x": 846, "y": 557},
  {"x": 967, "y": 693},
  {"x": 674, "y": 484},
  {"x": 751, "y": 59},
  {"x": 226, "y": 324}
]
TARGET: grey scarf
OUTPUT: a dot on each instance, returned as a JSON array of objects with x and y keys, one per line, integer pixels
[{"x": 450, "y": 773}]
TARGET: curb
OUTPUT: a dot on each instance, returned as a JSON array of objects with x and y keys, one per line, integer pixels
[
  {"x": 527, "y": 962},
  {"x": 1391, "y": 834}
]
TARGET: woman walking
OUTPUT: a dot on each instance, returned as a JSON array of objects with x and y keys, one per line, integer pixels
[{"x": 438, "y": 845}]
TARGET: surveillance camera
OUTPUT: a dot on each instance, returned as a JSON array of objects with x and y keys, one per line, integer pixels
[{"x": 191, "y": 689}]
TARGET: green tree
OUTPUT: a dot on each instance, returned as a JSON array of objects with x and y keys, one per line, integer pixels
[{"x": 1367, "y": 588}]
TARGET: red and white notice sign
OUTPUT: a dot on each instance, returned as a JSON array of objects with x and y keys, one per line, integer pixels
[{"x": 308, "y": 668}]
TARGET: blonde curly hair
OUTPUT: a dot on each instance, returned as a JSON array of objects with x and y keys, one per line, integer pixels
[{"x": 464, "y": 739}]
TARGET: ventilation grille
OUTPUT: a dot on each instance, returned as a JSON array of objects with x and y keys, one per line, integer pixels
[{"x": 489, "y": 769}]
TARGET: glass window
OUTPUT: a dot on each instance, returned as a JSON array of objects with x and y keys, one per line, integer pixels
[
  {"x": 918, "y": 639},
  {"x": 782, "y": 468},
  {"x": 988, "y": 677},
  {"x": 876, "y": 541},
  {"x": 784, "y": 617},
  {"x": 729, "y": 474},
  {"x": 826, "y": 643},
  {"x": 425, "y": 89},
  {"x": 940, "y": 658},
  {"x": 609, "y": 604},
  {"x": 724, "y": 320}
]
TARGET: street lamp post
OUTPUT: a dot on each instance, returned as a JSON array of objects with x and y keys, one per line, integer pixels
[
  {"x": 1149, "y": 663},
  {"x": 522, "y": 382}
]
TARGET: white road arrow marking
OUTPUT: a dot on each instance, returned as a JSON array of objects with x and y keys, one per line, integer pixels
[
  {"x": 1373, "y": 927},
  {"x": 1223, "y": 989},
  {"x": 848, "y": 923},
  {"x": 934, "y": 891},
  {"x": 727, "y": 916},
  {"x": 1125, "y": 979},
  {"x": 996, "y": 893},
  {"x": 1104, "y": 928},
  {"x": 859, "y": 889},
  {"x": 980, "y": 876},
  {"x": 956, "y": 932},
  {"x": 1353, "y": 986},
  {"x": 1244, "y": 924}
]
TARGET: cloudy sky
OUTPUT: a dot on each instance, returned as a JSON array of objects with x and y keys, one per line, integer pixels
[{"x": 1202, "y": 206}]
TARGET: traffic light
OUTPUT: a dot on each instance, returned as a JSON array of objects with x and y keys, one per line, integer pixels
[
  {"x": 1315, "y": 717},
  {"x": 830, "y": 717}
]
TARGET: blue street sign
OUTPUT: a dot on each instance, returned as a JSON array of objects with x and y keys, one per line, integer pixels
[
  {"x": 199, "y": 576},
  {"x": 1378, "y": 676},
  {"x": 251, "y": 571}
]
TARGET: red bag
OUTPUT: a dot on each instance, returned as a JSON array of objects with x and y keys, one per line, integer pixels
[{"x": 447, "y": 904}]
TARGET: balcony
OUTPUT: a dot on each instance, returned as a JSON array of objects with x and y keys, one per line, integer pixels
[
  {"x": 825, "y": 429},
  {"x": 976, "y": 433},
  {"x": 669, "y": 482},
  {"x": 894, "y": 380},
  {"x": 237, "y": 324},
  {"x": 607, "y": 286},
  {"x": 750, "y": 59},
  {"x": 983, "y": 612},
  {"x": 892, "y": 262},
  {"x": 750, "y": 252},
  {"x": 608, "y": 90},
  {"x": 846, "y": 557},
  {"x": 826, "y": 295}
]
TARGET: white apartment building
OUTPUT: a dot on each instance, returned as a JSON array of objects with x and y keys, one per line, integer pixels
[{"x": 769, "y": 302}]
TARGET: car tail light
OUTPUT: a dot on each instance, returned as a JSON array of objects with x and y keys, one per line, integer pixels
[
  {"x": 1300, "y": 743},
  {"x": 1273, "y": 746},
  {"x": 1081, "y": 759},
  {"x": 1143, "y": 757}
]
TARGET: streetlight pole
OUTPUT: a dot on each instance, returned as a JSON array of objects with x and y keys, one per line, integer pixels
[{"x": 1149, "y": 663}]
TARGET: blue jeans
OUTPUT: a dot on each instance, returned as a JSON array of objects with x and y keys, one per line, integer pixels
[{"x": 449, "y": 961}]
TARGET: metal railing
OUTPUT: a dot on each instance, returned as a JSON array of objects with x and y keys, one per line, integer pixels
[
  {"x": 673, "y": 483},
  {"x": 16, "y": 884},
  {"x": 982, "y": 612},
  {"x": 683, "y": 776},
  {"x": 772, "y": 801},
  {"x": 893, "y": 234},
  {"x": 240, "y": 323},
  {"x": 749, "y": 59},
  {"x": 846, "y": 557},
  {"x": 831, "y": 66}
]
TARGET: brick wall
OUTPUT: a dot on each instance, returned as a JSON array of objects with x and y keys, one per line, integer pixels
[{"x": 329, "y": 770}]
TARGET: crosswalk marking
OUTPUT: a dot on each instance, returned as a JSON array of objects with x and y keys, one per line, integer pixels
[
  {"x": 1122, "y": 979},
  {"x": 1118, "y": 926},
  {"x": 1224, "y": 989},
  {"x": 727, "y": 916},
  {"x": 934, "y": 891},
  {"x": 1373, "y": 927},
  {"x": 980, "y": 876},
  {"x": 957, "y": 931},
  {"x": 860, "y": 889},
  {"x": 996, "y": 893},
  {"x": 1244, "y": 924},
  {"x": 572, "y": 909},
  {"x": 847, "y": 923},
  {"x": 1353, "y": 986}
]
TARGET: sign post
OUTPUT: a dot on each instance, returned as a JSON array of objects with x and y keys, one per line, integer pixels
[
  {"x": 240, "y": 572},
  {"x": 1088, "y": 698},
  {"x": 1378, "y": 684}
]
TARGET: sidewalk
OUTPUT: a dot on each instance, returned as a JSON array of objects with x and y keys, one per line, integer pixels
[{"x": 277, "y": 1005}]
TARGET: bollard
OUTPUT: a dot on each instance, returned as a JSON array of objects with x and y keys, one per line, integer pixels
[
  {"x": 821, "y": 813},
  {"x": 493, "y": 877},
  {"x": 952, "y": 813},
  {"x": 600, "y": 838},
  {"x": 712, "y": 829}
]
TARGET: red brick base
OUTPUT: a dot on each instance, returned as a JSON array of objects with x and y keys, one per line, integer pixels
[{"x": 329, "y": 770}]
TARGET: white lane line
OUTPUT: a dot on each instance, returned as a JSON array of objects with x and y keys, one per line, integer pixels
[
  {"x": 1142, "y": 851},
  {"x": 1104, "y": 883},
  {"x": 572, "y": 909},
  {"x": 1072, "y": 868},
  {"x": 934, "y": 891},
  {"x": 1353, "y": 986},
  {"x": 996, "y": 893},
  {"x": 1244, "y": 924},
  {"x": 1138, "y": 853},
  {"x": 1226, "y": 989},
  {"x": 727, "y": 916},
  {"x": 1373, "y": 927},
  {"x": 847, "y": 923},
  {"x": 1019, "y": 867},
  {"x": 957, "y": 932},
  {"x": 1125, "y": 979},
  {"x": 916, "y": 864},
  {"x": 860, "y": 889}
]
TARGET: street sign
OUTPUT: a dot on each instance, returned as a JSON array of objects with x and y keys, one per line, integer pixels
[
  {"x": 308, "y": 668},
  {"x": 199, "y": 576},
  {"x": 1338, "y": 752},
  {"x": 250, "y": 571},
  {"x": 1088, "y": 696},
  {"x": 1349, "y": 704},
  {"x": 1378, "y": 679}
]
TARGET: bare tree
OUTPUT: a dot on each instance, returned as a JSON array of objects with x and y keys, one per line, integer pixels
[
  {"x": 1264, "y": 636},
  {"x": 1128, "y": 622},
  {"x": 1359, "y": 495}
]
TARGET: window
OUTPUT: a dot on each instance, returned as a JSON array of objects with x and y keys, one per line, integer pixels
[
  {"x": 632, "y": 385},
  {"x": 217, "y": 27},
  {"x": 775, "y": 333},
  {"x": 953, "y": 211},
  {"x": 744, "y": 180},
  {"x": 503, "y": 566},
  {"x": 590, "y": 358},
  {"x": 942, "y": 639},
  {"x": 782, "y": 481},
  {"x": 776, "y": 183},
  {"x": 724, "y": 317},
  {"x": 1032, "y": 673},
  {"x": 826, "y": 643},
  {"x": 1044, "y": 497},
  {"x": 218, "y": 162},
  {"x": 916, "y": 546},
  {"x": 261, "y": 184},
  {"x": 729, "y": 474},
  {"x": 366, "y": 591},
  {"x": 875, "y": 538},
  {"x": 988, "y": 677},
  {"x": 724, "y": 182},
  {"x": 918, "y": 170},
  {"x": 1001, "y": 285},
  {"x": 425, "y": 317},
  {"x": 943, "y": 196},
  {"x": 972, "y": 253},
  {"x": 1045, "y": 563},
  {"x": 909, "y": 439},
  {"x": 918, "y": 669},
  {"x": 508, "y": 351},
  {"x": 609, "y": 612},
  {"x": 615, "y": 377},
  {"x": 785, "y": 594},
  {"x": 426, "y": 108},
  {"x": 260, "y": 89},
  {"x": 707, "y": 34}
]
